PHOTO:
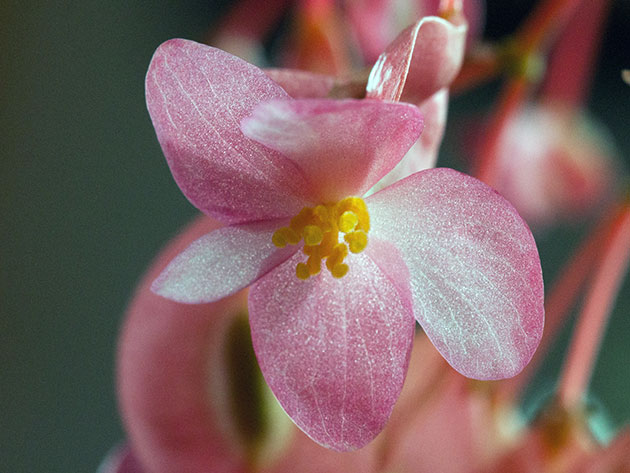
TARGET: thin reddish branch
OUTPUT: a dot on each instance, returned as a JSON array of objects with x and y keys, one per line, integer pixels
[
  {"x": 510, "y": 102},
  {"x": 571, "y": 68},
  {"x": 547, "y": 19},
  {"x": 479, "y": 66},
  {"x": 593, "y": 319},
  {"x": 562, "y": 297}
]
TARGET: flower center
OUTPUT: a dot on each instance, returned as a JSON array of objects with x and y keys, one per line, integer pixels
[{"x": 319, "y": 227}]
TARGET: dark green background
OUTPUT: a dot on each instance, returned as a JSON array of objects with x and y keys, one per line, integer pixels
[{"x": 86, "y": 200}]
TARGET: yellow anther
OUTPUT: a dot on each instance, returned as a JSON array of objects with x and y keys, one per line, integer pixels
[
  {"x": 322, "y": 213},
  {"x": 285, "y": 235},
  {"x": 357, "y": 241},
  {"x": 338, "y": 253},
  {"x": 278, "y": 239},
  {"x": 340, "y": 270},
  {"x": 314, "y": 265},
  {"x": 320, "y": 228},
  {"x": 348, "y": 221},
  {"x": 312, "y": 235},
  {"x": 302, "y": 272}
]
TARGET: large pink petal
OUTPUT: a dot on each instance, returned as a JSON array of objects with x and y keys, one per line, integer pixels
[
  {"x": 474, "y": 268},
  {"x": 168, "y": 359},
  {"x": 423, "y": 154},
  {"x": 334, "y": 351},
  {"x": 343, "y": 146},
  {"x": 423, "y": 59},
  {"x": 197, "y": 97},
  {"x": 221, "y": 263},
  {"x": 302, "y": 84}
]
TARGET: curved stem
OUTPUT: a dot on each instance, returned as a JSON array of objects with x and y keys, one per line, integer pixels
[
  {"x": 512, "y": 97},
  {"x": 593, "y": 319},
  {"x": 546, "y": 20},
  {"x": 562, "y": 297},
  {"x": 571, "y": 66}
]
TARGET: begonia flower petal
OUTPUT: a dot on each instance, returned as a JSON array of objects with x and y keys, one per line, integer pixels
[
  {"x": 221, "y": 263},
  {"x": 168, "y": 356},
  {"x": 305, "y": 456},
  {"x": 197, "y": 97},
  {"x": 302, "y": 84},
  {"x": 333, "y": 351},
  {"x": 475, "y": 272},
  {"x": 423, "y": 154},
  {"x": 343, "y": 146},
  {"x": 423, "y": 59}
]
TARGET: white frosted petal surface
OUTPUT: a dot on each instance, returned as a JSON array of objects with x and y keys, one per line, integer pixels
[
  {"x": 222, "y": 262},
  {"x": 197, "y": 97},
  {"x": 475, "y": 273},
  {"x": 333, "y": 351}
]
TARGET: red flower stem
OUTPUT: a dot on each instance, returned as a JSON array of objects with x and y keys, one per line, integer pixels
[
  {"x": 476, "y": 69},
  {"x": 562, "y": 297},
  {"x": 571, "y": 65},
  {"x": 597, "y": 308},
  {"x": 548, "y": 18},
  {"x": 510, "y": 101},
  {"x": 248, "y": 20}
]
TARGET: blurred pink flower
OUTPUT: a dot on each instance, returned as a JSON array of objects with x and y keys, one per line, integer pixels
[
  {"x": 334, "y": 347},
  {"x": 554, "y": 164}
]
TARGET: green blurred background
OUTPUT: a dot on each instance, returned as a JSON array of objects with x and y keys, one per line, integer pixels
[{"x": 86, "y": 201}]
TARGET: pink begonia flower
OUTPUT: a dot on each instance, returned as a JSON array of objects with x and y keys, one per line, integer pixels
[
  {"x": 554, "y": 164},
  {"x": 333, "y": 343}
]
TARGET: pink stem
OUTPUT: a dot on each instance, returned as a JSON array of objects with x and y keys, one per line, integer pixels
[
  {"x": 571, "y": 65},
  {"x": 593, "y": 319},
  {"x": 247, "y": 19},
  {"x": 512, "y": 98},
  {"x": 547, "y": 19}
]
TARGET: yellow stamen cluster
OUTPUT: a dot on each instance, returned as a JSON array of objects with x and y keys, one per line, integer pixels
[{"x": 319, "y": 227}]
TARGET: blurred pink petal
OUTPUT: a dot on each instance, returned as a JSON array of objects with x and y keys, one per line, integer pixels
[
  {"x": 168, "y": 361},
  {"x": 221, "y": 263},
  {"x": 554, "y": 164},
  {"x": 334, "y": 352},
  {"x": 613, "y": 458},
  {"x": 302, "y": 84},
  {"x": 305, "y": 456},
  {"x": 197, "y": 96},
  {"x": 343, "y": 147},
  {"x": 475, "y": 272},
  {"x": 438, "y": 435},
  {"x": 422, "y": 60},
  {"x": 376, "y": 23}
]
